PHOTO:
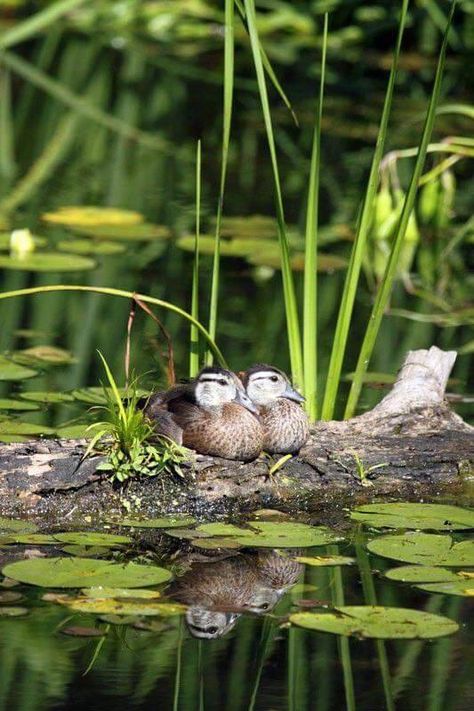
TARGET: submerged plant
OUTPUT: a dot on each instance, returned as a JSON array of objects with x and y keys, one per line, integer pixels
[{"x": 128, "y": 439}]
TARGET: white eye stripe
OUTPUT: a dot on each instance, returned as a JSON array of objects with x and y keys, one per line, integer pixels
[
  {"x": 264, "y": 376},
  {"x": 213, "y": 380}
]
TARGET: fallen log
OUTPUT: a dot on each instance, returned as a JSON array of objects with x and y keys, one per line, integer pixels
[{"x": 410, "y": 444}]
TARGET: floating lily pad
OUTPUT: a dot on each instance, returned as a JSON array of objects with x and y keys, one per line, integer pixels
[
  {"x": 33, "y": 539},
  {"x": 91, "y": 216},
  {"x": 91, "y": 539},
  {"x": 14, "y": 526},
  {"x": 228, "y": 248},
  {"x": 143, "y": 232},
  {"x": 77, "y": 431},
  {"x": 14, "y": 371},
  {"x": 80, "y": 631},
  {"x": 436, "y": 580},
  {"x": 427, "y": 549},
  {"x": 218, "y": 543},
  {"x": 86, "y": 551},
  {"x": 323, "y": 560},
  {"x": 277, "y": 534},
  {"x": 8, "y": 596},
  {"x": 171, "y": 522},
  {"x": 377, "y": 622},
  {"x": 81, "y": 572},
  {"x": 119, "y": 593},
  {"x": 110, "y": 606},
  {"x": 87, "y": 246},
  {"x": 420, "y": 516},
  {"x": 48, "y": 262},
  {"x": 253, "y": 226},
  {"x": 52, "y": 355},
  {"x": 46, "y": 396},
  {"x": 13, "y": 611},
  {"x": 16, "y": 427},
  {"x": 8, "y": 404}
]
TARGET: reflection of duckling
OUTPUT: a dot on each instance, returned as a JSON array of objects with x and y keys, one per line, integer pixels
[
  {"x": 218, "y": 592},
  {"x": 214, "y": 414},
  {"x": 284, "y": 421}
]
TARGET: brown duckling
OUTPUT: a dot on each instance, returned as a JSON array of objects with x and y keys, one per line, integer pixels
[
  {"x": 284, "y": 421},
  {"x": 214, "y": 414}
]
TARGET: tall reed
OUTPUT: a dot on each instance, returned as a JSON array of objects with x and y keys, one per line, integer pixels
[{"x": 194, "y": 334}]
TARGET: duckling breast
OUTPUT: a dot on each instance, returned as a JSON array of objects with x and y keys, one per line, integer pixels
[{"x": 285, "y": 425}]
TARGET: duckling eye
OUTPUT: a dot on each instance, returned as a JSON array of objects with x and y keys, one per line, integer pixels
[
  {"x": 212, "y": 630},
  {"x": 264, "y": 606},
  {"x": 274, "y": 378},
  {"x": 222, "y": 382}
]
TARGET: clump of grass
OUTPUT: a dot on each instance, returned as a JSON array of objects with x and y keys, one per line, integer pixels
[{"x": 127, "y": 438}]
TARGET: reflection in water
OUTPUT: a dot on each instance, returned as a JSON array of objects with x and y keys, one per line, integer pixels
[{"x": 219, "y": 591}]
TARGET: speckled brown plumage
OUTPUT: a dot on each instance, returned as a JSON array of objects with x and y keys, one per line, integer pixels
[{"x": 285, "y": 426}]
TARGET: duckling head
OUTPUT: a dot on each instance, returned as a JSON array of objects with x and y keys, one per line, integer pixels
[
  {"x": 209, "y": 624},
  {"x": 216, "y": 387},
  {"x": 265, "y": 384}
]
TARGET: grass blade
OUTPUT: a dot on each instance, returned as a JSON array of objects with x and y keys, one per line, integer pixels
[
  {"x": 228, "y": 100},
  {"x": 40, "y": 21},
  {"x": 343, "y": 645},
  {"x": 114, "y": 388},
  {"x": 355, "y": 264},
  {"x": 289, "y": 295},
  {"x": 194, "y": 345},
  {"x": 310, "y": 318},
  {"x": 385, "y": 288}
]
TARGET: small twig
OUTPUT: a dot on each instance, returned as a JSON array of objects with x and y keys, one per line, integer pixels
[{"x": 131, "y": 318}]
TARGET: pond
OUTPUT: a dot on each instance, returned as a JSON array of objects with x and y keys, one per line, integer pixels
[{"x": 230, "y": 630}]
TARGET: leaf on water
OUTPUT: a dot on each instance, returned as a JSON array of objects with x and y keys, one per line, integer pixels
[
  {"x": 48, "y": 262},
  {"x": 47, "y": 354},
  {"x": 171, "y": 522},
  {"x": 13, "y": 371},
  {"x": 217, "y": 543},
  {"x": 33, "y": 539},
  {"x": 440, "y": 517},
  {"x": 8, "y": 404},
  {"x": 434, "y": 580},
  {"x": 110, "y": 606},
  {"x": 377, "y": 622},
  {"x": 8, "y": 596},
  {"x": 325, "y": 560},
  {"x": 277, "y": 534},
  {"x": 87, "y": 246},
  {"x": 78, "y": 631},
  {"x": 427, "y": 549},
  {"x": 16, "y": 427},
  {"x": 81, "y": 572},
  {"x": 91, "y": 539},
  {"x": 119, "y": 593},
  {"x": 46, "y": 396},
  {"x": 86, "y": 551},
  {"x": 143, "y": 232},
  {"x": 13, "y": 611},
  {"x": 119, "y": 619},
  {"x": 91, "y": 216},
  {"x": 14, "y": 525}
]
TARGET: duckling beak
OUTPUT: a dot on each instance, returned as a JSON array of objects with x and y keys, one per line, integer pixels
[
  {"x": 291, "y": 394},
  {"x": 245, "y": 401}
]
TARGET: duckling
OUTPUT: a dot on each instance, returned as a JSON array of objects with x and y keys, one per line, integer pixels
[
  {"x": 214, "y": 414},
  {"x": 284, "y": 421}
]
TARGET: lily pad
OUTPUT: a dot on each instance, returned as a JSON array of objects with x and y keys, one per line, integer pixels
[
  {"x": 91, "y": 216},
  {"x": 87, "y": 246},
  {"x": 8, "y": 596},
  {"x": 427, "y": 549},
  {"x": 14, "y": 371},
  {"x": 77, "y": 431},
  {"x": 13, "y": 611},
  {"x": 171, "y": 522},
  {"x": 80, "y": 631},
  {"x": 143, "y": 232},
  {"x": 323, "y": 560},
  {"x": 276, "y": 534},
  {"x": 109, "y": 606},
  {"x": 14, "y": 526},
  {"x": 16, "y": 427},
  {"x": 377, "y": 622},
  {"x": 52, "y": 355},
  {"x": 8, "y": 404},
  {"x": 33, "y": 539},
  {"x": 217, "y": 543},
  {"x": 91, "y": 539},
  {"x": 48, "y": 262},
  {"x": 439, "y": 517},
  {"x": 81, "y": 572},
  {"x": 46, "y": 396},
  {"x": 119, "y": 593},
  {"x": 86, "y": 551},
  {"x": 435, "y": 580}
]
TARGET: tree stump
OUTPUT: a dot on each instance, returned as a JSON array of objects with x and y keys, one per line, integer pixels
[{"x": 410, "y": 444}]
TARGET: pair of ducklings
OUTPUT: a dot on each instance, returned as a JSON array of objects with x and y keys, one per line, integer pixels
[{"x": 221, "y": 415}]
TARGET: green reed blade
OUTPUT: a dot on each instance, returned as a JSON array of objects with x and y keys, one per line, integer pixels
[
  {"x": 82, "y": 105},
  {"x": 385, "y": 287},
  {"x": 124, "y": 294},
  {"x": 228, "y": 100},
  {"x": 40, "y": 21},
  {"x": 310, "y": 303},
  {"x": 343, "y": 644},
  {"x": 7, "y": 140},
  {"x": 350, "y": 285},
  {"x": 289, "y": 295},
  {"x": 194, "y": 345},
  {"x": 179, "y": 654}
]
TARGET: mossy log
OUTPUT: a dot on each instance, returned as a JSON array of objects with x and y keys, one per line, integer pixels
[{"x": 410, "y": 444}]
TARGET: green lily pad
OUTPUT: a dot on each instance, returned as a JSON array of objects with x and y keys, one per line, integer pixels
[
  {"x": 420, "y": 516},
  {"x": 92, "y": 216},
  {"x": 253, "y": 226},
  {"x": 77, "y": 431},
  {"x": 91, "y": 539},
  {"x": 8, "y": 404},
  {"x": 228, "y": 248},
  {"x": 52, "y": 355},
  {"x": 14, "y": 371},
  {"x": 143, "y": 232},
  {"x": 435, "y": 580},
  {"x": 81, "y": 572},
  {"x": 86, "y": 551},
  {"x": 462, "y": 588},
  {"x": 427, "y": 549},
  {"x": 13, "y": 611},
  {"x": 14, "y": 526},
  {"x": 109, "y": 606},
  {"x": 46, "y": 396},
  {"x": 33, "y": 539},
  {"x": 377, "y": 622},
  {"x": 119, "y": 593},
  {"x": 16, "y": 427},
  {"x": 48, "y": 262},
  {"x": 171, "y": 522},
  {"x": 9, "y": 596},
  {"x": 80, "y": 631},
  {"x": 87, "y": 246},
  {"x": 322, "y": 560},
  {"x": 217, "y": 543},
  {"x": 267, "y": 534}
]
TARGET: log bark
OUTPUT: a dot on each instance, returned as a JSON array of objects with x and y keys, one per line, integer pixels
[{"x": 410, "y": 444}]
